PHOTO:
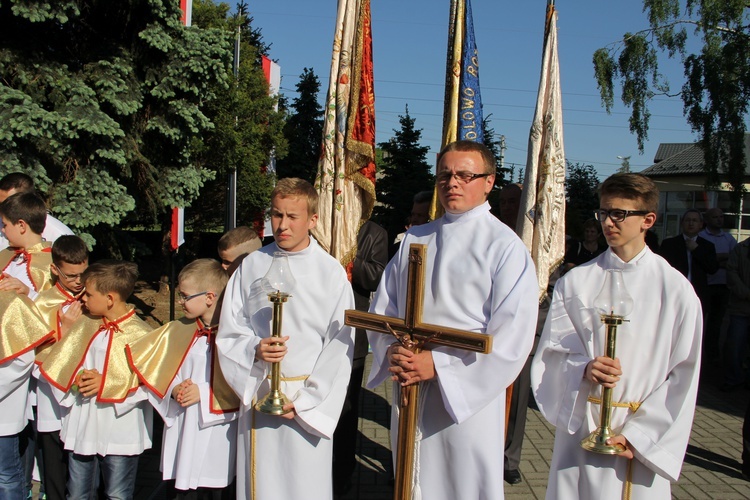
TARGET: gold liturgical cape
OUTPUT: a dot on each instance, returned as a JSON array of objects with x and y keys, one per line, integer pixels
[
  {"x": 38, "y": 260},
  {"x": 22, "y": 328},
  {"x": 157, "y": 357},
  {"x": 67, "y": 356},
  {"x": 48, "y": 304}
]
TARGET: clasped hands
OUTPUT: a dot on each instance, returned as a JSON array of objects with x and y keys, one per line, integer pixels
[
  {"x": 88, "y": 382},
  {"x": 606, "y": 372},
  {"x": 186, "y": 393},
  {"x": 409, "y": 368}
]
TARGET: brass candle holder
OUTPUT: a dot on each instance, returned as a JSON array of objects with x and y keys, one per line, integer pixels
[
  {"x": 613, "y": 304},
  {"x": 279, "y": 282},
  {"x": 273, "y": 402}
]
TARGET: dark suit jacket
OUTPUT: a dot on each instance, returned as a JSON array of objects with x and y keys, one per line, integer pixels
[
  {"x": 369, "y": 263},
  {"x": 704, "y": 260}
]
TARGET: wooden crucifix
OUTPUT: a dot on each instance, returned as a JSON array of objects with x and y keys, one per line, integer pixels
[{"x": 413, "y": 335}]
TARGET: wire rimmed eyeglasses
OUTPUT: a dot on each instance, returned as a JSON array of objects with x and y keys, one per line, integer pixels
[
  {"x": 462, "y": 177},
  {"x": 182, "y": 298},
  {"x": 68, "y": 277},
  {"x": 617, "y": 214}
]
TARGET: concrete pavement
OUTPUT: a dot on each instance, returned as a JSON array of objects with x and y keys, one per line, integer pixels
[{"x": 711, "y": 468}]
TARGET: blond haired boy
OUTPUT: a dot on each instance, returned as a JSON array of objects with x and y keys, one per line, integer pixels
[
  {"x": 177, "y": 363},
  {"x": 235, "y": 245},
  {"x": 288, "y": 456},
  {"x": 108, "y": 424}
]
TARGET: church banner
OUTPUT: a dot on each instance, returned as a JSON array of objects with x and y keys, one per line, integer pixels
[
  {"x": 541, "y": 217},
  {"x": 346, "y": 170},
  {"x": 462, "y": 108},
  {"x": 462, "y": 113}
]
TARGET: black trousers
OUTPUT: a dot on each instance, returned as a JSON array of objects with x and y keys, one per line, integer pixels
[
  {"x": 55, "y": 464},
  {"x": 345, "y": 436}
]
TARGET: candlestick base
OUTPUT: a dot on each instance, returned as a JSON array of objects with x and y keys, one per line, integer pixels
[
  {"x": 597, "y": 442},
  {"x": 273, "y": 403}
]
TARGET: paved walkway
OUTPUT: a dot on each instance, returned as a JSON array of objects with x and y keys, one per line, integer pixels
[{"x": 711, "y": 469}]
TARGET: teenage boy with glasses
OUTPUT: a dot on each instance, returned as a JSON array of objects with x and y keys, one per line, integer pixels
[{"x": 655, "y": 376}]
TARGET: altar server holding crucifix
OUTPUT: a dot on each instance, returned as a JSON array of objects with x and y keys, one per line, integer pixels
[{"x": 480, "y": 278}]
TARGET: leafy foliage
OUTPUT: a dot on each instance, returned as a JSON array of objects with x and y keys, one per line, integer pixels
[
  {"x": 303, "y": 131},
  {"x": 495, "y": 146},
  {"x": 717, "y": 86},
  {"x": 102, "y": 101},
  {"x": 582, "y": 196},
  {"x": 405, "y": 173},
  {"x": 246, "y": 129}
]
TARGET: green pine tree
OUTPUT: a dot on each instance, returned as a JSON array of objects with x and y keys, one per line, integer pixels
[
  {"x": 303, "y": 131},
  {"x": 405, "y": 173}
]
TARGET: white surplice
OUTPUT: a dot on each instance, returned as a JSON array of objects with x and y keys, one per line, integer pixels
[
  {"x": 659, "y": 351},
  {"x": 14, "y": 393},
  {"x": 199, "y": 448},
  {"x": 93, "y": 428},
  {"x": 479, "y": 277},
  {"x": 288, "y": 458}
]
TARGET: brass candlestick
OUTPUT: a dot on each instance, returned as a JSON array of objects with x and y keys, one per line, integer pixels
[
  {"x": 279, "y": 282},
  {"x": 273, "y": 402},
  {"x": 613, "y": 304},
  {"x": 597, "y": 440}
]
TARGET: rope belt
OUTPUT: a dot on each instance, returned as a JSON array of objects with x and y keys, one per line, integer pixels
[
  {"x": 300, "y": 378},
  {"x": 632, "y": 406}
]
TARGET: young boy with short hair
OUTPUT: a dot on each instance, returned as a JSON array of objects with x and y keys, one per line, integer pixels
[
  {"x": 289, "y": 455},
  {"x": 235, "y": 245},
  {"x": 108, "y": 424},
  {"x": 26, "y": 262},
  {"x": 654, "y": 378},
  {"x": 177, "y": 363},
  {"x": 60, "y": 306}
]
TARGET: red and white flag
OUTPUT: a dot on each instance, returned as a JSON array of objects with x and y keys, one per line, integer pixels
[{"x": 346, "y": 169}]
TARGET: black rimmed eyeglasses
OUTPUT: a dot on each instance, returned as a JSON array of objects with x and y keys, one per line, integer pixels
[{"x": 616, "y": 214}]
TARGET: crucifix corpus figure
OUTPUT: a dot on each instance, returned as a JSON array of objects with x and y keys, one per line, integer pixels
[{"x": 479, "y": 285}]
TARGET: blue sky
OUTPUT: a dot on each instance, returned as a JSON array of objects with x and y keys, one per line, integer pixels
[{"x": 409, "y": 46}]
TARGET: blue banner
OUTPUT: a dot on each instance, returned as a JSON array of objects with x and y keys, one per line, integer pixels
[{"x": 470, "y": 99}]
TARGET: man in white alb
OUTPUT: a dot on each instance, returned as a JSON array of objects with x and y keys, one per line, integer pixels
[{"x": 479, "y": 277}]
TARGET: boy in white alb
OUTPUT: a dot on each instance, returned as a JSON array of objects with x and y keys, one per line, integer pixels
[
  {"x": 288, "y": 456},
  {"x": 108, "y": 424},
  {"x": 654, "y": 378},
  {"x": 60, "y": 306},
  {"x": 177, "y": 363}
]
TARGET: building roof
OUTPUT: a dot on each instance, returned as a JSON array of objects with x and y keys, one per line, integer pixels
[
  {"x": 667, "y": 149},
  {"x": 685, "y": 159}
]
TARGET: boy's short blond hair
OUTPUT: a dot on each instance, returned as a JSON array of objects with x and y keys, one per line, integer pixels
[
  {"x": 112, "y": 276},
  {"x": 206, "y": 274},
  {"x": 293, "y": 187},
  {"x": 244, "y": 238}
]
